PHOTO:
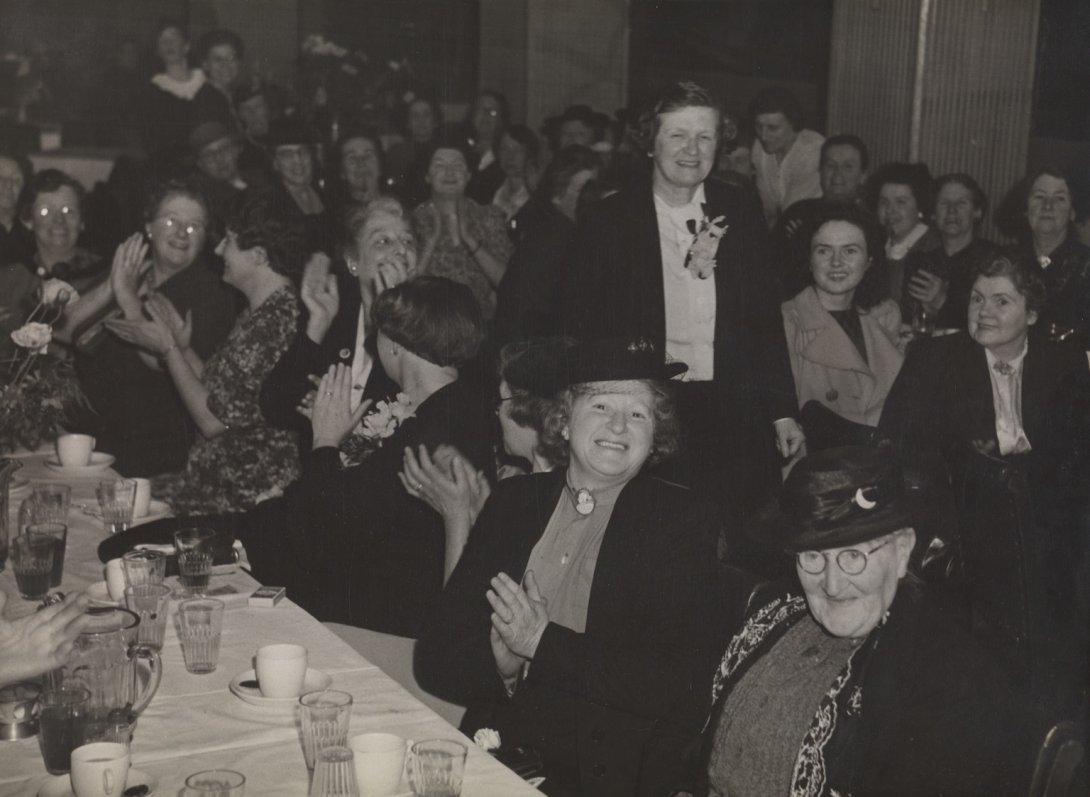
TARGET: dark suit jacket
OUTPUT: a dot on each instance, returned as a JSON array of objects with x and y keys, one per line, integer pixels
[
  {"x": 611, "y": 708},
  {"x": 614, "y": 288},
  {"x": 287, "y": 383},
  {"x": 942, "y": 400}
]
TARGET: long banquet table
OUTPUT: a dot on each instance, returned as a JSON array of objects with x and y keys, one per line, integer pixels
[{"x": 195, "y": 723}]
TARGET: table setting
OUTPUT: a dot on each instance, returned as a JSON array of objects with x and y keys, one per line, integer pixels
[{"x": 228, "y": 688}]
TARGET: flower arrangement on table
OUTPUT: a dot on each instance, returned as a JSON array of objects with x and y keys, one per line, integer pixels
[
  {"x": 377, "y": 425},
  {"x": 37, "y": 388}
]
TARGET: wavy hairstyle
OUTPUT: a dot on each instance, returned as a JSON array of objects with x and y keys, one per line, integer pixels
[
  {"x": 666, "y": 438},
  {"x": 435, "y": 318},
  {"x": 268, "y": 221}
]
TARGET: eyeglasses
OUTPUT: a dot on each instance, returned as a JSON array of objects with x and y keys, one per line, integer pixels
[
  {"x": 64, "y": 210},
  {"x": 851, "y": 560},
  {"x": 189, "y": 227}
]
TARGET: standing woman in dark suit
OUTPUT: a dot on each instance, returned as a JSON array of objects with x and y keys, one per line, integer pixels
[{"x": 680, "y": 260}]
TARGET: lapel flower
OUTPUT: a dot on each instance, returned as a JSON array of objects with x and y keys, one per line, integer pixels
[
  {"x": 700, "y": 259},
  {"x": 34, "y": 336},
  {"x": 376, "y": 426}
]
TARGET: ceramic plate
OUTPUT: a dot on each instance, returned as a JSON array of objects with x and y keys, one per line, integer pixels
[
  {"x": 99, "y": 463},
  {"x": 61, "y": 785},
  {"x": 315, "y": 679},
  {"x": 156, "y": 510}
]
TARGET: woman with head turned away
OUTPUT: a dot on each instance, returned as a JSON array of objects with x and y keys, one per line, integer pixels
[{"x": 593, "y": 645}]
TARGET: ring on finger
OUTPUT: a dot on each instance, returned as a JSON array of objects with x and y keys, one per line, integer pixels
[{"x": 418, "y": 487}]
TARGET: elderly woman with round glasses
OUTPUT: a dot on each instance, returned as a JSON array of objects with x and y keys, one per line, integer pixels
[{"x": 848, "y": 680}]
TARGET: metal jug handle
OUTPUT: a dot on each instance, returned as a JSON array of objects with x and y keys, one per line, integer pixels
[{"x": 155, "y": 666}]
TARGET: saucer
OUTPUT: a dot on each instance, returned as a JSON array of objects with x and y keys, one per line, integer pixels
[
  {"x": 312, "y": 681},
  {"x": 156, "y": 510},
  {"x": 99, "y": 462},
  {"x": 61, "y": 785}
]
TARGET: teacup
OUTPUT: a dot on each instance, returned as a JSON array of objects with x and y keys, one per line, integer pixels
[
  {"x": 281, "y": 670},
  {"x": 100, "y": 769},
  {"x": 74, "y": 450},
  {"x": 379, "y": 759}
]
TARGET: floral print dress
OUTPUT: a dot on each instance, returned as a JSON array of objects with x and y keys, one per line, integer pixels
[
  {"x": 452, "y": 260},
  {"x": 249, "y": 461}
]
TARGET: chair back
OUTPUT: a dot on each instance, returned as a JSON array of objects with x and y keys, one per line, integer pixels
[{"x": 1061, "y": 763}]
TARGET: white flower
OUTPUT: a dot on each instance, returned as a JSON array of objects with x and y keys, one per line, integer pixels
[
  {"x": 487, "y": 739},
  {"x": 33, "y": 336},
  {"x": 55, "y": 291}
]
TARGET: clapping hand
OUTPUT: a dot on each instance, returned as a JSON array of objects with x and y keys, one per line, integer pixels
[
  {"x": 928, "y": 290},
  {"x": 320, "y": 296},
  {"x": 445, "y": 481},
  {"x": 153, "y": 336},
  {"x": 331, "y": 416},
  {"x": 162, "y": 311},
  {"x": 129, "y": 265},
  {"x": 519, "y": 616}
]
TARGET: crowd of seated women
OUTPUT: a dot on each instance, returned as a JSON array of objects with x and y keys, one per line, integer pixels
[{"x": 528, "y": 401}]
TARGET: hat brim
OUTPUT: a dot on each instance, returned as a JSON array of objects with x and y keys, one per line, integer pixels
[
  {"x": 582, "y": 373},
  {"x": 774, "y": 527}
]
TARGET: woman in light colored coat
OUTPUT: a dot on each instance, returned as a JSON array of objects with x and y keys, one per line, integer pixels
[{"x": 844, "y": 348}]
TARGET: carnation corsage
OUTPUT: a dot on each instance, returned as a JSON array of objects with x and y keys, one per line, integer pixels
[{"x": 701, "y": 257}]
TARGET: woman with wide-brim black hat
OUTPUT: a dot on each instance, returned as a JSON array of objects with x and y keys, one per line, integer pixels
[
  {"x": 848, "y": 679},
  {"x": 579, "y": 614},
  {"x": 291, "y": 144}
]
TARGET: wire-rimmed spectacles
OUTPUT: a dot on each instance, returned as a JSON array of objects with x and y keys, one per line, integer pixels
[{"x": 851, "y": 560}]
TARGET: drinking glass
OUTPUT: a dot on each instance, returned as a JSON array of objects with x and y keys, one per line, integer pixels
[
  {"x": 194, "y": 548},
  {"x": 334, "y": 774},
  {"x": 144, "y": 567},
  {"x": 215, "y": 783},
  {"x": 32, "y": 560},
  {"x": 151, "y": 602},
  {"x": 61, "y": 721},
  {"x": 438, "y": 766},
  {"x": 325, "y": 715},
  {"x": 115, "y": 500},
  {"x": 58, "y": 532},
  {"x": 52, "y": 502},
  {"x": 201, "y": 621}
]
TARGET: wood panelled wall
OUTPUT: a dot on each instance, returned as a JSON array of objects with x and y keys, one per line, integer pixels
[{"x": 975, "y": 89}]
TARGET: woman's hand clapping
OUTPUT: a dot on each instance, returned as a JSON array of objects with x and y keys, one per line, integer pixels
[
  {"x": 320, "y": 296},
  {"x": 331, "y": 415},
  {"x": 129, "y": 265},
  {"x": 162, "y": 311},
  {"x": 519, "y": 616},
  {"x": 41, "y": 641},
  {"x": 446, "y": 482}
]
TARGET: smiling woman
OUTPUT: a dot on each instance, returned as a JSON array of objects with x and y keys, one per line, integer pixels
[{"x": 603, "y": 577}]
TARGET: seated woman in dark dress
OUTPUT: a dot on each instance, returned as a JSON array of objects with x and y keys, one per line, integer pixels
[
  {"x": 1003, "y": 405},
  {"x": 601, "y": 585},
  {"x": 847, "y": 679},
  {"x": 348, "y": 543},
  {"x": 138, "y": 415}
]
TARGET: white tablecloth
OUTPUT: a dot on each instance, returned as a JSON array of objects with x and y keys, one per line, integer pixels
[{"x": 195, "y": 723}]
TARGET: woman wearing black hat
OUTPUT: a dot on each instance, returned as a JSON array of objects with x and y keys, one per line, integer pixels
[
  {"x": 848, "y": 680},
  {"x": 290, "y": 143},
  {"x": 593, "y": 646}
]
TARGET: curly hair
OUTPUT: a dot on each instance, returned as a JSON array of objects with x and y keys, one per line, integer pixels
[
  {"x": 1023, "y": 272},
  {"x": 46, "y": 182},
  {"x": 666, "y": 439},
  {"x": 675, "y": 97},
  {"x": 528, "y": 409},
  {"x": 778, "y": 99},
  {"x": 268, "y": 221},
  {"x": 435, "y": 318},
  {"x": 171, "y": 188}
]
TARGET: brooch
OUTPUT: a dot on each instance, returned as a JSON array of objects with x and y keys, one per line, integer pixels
[{"x": 584, "y": 501}]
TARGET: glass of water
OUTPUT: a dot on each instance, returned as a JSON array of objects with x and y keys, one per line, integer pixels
[{"x": 116, "y": 498}]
